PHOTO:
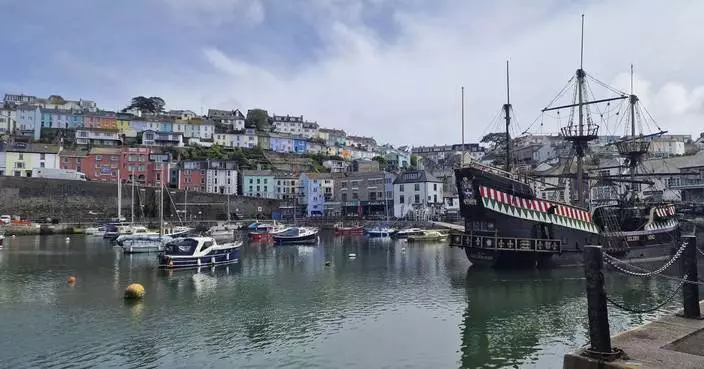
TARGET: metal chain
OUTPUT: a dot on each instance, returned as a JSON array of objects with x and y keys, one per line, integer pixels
[
  {"x": 611, "y": 261},
  {"x": 700, "y": 251},
  {"x": 658, "y": 306}
]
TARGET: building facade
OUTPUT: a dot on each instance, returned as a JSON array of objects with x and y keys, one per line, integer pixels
[
  {"x": 365, "y": 194},
  {"x": 258, "y": 183},
  {"x": 418, "y": 195}
]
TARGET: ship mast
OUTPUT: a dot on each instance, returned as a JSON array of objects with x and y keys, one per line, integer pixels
[
  {"x": 507, "y": 117},
  {"x": 585, "y": 130}
]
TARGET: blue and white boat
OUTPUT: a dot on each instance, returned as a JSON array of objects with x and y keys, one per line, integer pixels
[
  {"x": 194, "y": 252},
  {"x": 380, "y": 231}
]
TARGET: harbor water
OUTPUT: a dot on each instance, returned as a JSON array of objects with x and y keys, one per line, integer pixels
[{"x": 391, "y": 304}]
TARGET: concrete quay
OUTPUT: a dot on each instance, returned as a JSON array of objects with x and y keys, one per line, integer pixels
[{"x": 671, "y": 342}]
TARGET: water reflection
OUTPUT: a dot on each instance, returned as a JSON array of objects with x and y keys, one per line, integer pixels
[{"x": 394, "y": 304}]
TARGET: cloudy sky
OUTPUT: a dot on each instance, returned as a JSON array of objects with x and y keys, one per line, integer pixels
[{"x": 391, "y": 69}]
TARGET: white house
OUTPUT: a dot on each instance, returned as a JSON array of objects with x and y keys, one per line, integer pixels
[
  {"x": 231, "y": 118},
  {"x": 288, "y": 124},
  {"x": 221, "y": 177},
  {"x": 667, "y": 146},
  {"x": 98, "y": 136},
  {"x": 246, "y": 140},
  {"x": 19, "y": 159},
  {"x": 417, "y": 194}
]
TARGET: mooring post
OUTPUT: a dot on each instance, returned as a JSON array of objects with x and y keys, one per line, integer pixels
[
  {"x": 599, "y": 334},
  {"x": 690, "y": 291}
]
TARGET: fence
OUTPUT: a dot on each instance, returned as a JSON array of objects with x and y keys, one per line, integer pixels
[{"x": 597, "y": 298}]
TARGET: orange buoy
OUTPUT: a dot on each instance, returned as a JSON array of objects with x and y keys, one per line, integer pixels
[{"x": 71, "y": 280}]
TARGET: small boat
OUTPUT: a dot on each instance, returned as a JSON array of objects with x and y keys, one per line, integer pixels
[
  {"x": 94, "y": 231},
  {"x": 264, "y": 230},
  {"x": 427, "y": 236},
  {"x": 194, "y": 252},
  {"x": 380, "y": 232},
  {"x": 341, "y": 229},
  {"x": 177, "y": 231},
  {"x": 405, "y": 233},
  {"x": 223, "y": 231},
  {"x": 297, "y": 235},
  {"x": 139, "y": 244}
]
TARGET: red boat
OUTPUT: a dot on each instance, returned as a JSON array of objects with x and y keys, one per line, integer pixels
[{"x": 343, "y": 230}]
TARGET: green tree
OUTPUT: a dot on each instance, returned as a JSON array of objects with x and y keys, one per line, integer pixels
[
  {"x": 497, "y": 150},
  {"x": 257, "y": 118},
  {"x": 381, "y": 160},
  {"x": 414, "y": 161},
  {"x": 152, "y": 104}
]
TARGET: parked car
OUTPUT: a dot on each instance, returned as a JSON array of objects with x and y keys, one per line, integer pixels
[{"x": 5, "y": 219}]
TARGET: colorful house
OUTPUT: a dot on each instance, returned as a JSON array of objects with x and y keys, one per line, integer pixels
[
  {"x": 19, "y": 159},
  {"x": 29, "y": 119},
  {"x": 300, "y": 146}
]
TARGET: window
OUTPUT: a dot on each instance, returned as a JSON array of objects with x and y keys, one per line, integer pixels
[
  {"x": 417, "y": 187},
  {"x": 265, "y": 181},
  {"x": 429, "y": 198},
  {"x": 435, "y": 199},
  {"x": 435, "y": 186},
  {"x": 343, "y": 184},
  {"x": 98, "y": 157},
  {"x": 355, "y": 195},
  {"x": 41, "y": 165},
  {"x": 258, "y": 188},
  {"x": 401, "y": 199},
  {"x": 259, "y": 181},
  {"x": 344, "y": 197},
  {"x": 372, "y": 196},
  {"x": 266, "y": 189},
  {"x": 389, "y": 194},
  {"x": 17, "y": 173},
  {"x": 417, "y": 199},
  {"x": 400, "y": 188},
  {"x": 42, "y": 156},
  {"x": 21, "y": 157},
  {"x": 251, "y": 181},
  {"x": 19, "y": 165}
]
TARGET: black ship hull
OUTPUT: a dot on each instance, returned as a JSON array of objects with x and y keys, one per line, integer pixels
[{"x": 507, "y": 226}]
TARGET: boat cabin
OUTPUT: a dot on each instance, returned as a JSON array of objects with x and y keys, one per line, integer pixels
[{"x": 188, "y": 246}]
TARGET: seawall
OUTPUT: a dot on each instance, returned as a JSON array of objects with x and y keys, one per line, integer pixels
[{"x": 77, "y": 201}]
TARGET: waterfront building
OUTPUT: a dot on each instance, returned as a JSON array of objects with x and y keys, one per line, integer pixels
[
  {"x": 191, "y": 175},
  {"x": 417, "y": 194},
  {"x": 78, "y": 160},
  {"x": 221, "y": 177},
  {"x": 316, "y": 188},
  {"x": 19, "y": 159},
  {"x": 258, "y": 183},
  {"x": 287, "y": 186},
  {"x": 106, "y": 162},
  {"x": 367, "y": 194}
]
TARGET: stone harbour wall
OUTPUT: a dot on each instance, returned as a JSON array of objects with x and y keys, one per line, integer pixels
[{"x": 78, "y": 201}]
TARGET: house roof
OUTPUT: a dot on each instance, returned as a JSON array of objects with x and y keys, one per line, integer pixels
[
  {"x": 254, "y": 172},
  {"x": 415, "y": 176},
  {"x": 105, "y": 151},
  {"x": 29, "y": 147}
]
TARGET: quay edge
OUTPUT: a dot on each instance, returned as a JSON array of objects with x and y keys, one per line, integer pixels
[{"x": 670, "y": 342}]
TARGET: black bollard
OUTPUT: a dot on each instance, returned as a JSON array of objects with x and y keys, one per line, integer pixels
[
  {"x": 599, "y": 334},
  {"x": 690, "y": 291}
]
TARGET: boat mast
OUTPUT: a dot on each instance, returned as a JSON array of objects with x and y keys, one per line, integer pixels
[
  {"x": 228, "y": 206},
  {"x": 132, "y": 203},
  {"x": 462, "y": 117},
  {"x": 633, "y": 99},
  {"x": 507, "y": 117},
  {"x": 161, "y": 204},
  {"x": 119, "y": 197}
]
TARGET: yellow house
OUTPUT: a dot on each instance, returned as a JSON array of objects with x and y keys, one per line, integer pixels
[
  {"x": 123, "y": 125},
  {"x": 323, "y": 135},
  {"x": 20, "y": 159}
]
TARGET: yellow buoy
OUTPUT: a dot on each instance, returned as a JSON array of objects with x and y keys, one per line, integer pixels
[
  {"x": 71, "y": 280},
  {"x": 134, "y": 291}
]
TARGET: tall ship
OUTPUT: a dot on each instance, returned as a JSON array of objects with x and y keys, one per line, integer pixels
[{"x": 508, "y": 223}]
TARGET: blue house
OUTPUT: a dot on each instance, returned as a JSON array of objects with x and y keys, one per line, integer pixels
[
  {"x": 313, "y": 198},
  {"x": 75, "y": 121},
  {"x": 300, "y": 146},
  {"x": 280, "y": 143}
]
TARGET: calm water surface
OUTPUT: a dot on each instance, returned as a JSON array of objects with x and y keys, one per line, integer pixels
[{"x": 395, "y": 305}]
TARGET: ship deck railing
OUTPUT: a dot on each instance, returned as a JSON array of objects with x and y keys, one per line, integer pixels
[{"x": 499, "y": 172}]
